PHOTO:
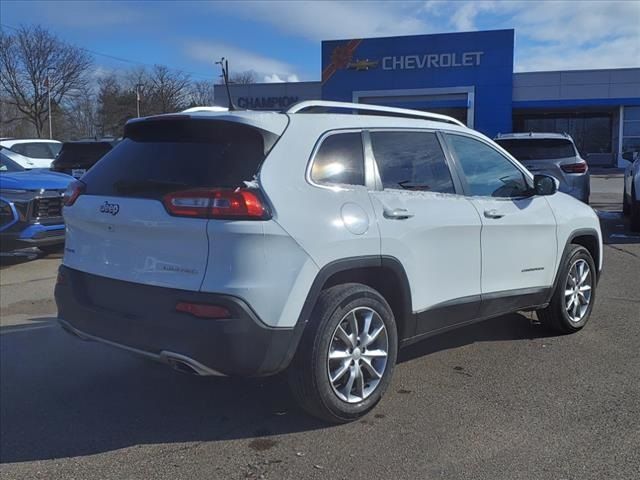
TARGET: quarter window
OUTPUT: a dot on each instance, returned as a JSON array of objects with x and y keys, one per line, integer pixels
[
  {"x": 488, "y": 172},
  {"x": 411, "y": 161},
  {"x": 339, "y": 160}
]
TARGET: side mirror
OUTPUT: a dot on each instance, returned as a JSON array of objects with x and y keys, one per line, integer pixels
[
  {"x": 545, "y": 184},
  {"x": 630, "y": 156}
]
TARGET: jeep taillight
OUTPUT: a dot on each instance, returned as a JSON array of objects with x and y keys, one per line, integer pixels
[
  {"x": 73, "y": 191},
  {"x": 579, "y": 167},
  {"x": 222, "y": 203}
]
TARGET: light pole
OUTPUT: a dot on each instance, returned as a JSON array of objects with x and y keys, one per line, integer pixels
[
  {"x": 49, "y": 70},
  {"x": 138, "y": 85}
]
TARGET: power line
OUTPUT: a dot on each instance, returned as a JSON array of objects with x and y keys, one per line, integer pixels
[{"x": 133, "y": 62}]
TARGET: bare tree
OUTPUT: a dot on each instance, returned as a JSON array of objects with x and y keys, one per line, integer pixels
[
  {"x": 116, "y": 103},
  {"x": 80, "y": 115},
  {"x": 13, "y": 122},
  {"x": 201, "y": 93},
  {"x": 169, "y": 90},
  {"x": 246, "y": 77},
  {"x": 27, "y": 59}
]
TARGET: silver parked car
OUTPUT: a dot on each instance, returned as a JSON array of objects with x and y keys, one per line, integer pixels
[
  {"x": 553, "y": 154},
  {"x": 631, "y": 196}
]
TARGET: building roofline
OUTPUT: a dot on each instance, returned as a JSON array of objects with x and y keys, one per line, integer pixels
[
  {"x": 581, "y": 70},
  {"x": 419, "y": 35}
]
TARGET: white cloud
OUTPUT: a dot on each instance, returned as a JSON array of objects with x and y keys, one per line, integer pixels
[
  {"x": 617, "y": 53},
  {"x": 464, "y": 17},
  {"x": 317, "y": 20},
  {"x": 554, "y": 35},
  {"x": 84, "y": 15},
  {"x": 577, "y": 23},
  {"x": 275, "y": 78},
  {"x": 241, "y": 60},
  {"x": 549, "y": 34}
]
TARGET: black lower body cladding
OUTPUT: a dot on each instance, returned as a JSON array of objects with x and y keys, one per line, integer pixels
[{"x": 144, "y": 318}]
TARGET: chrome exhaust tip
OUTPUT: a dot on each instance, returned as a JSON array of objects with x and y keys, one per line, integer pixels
[{"x": 186, "y": 364}]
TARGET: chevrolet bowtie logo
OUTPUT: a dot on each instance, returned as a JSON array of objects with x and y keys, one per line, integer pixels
[{"x": 362, "y": 65}]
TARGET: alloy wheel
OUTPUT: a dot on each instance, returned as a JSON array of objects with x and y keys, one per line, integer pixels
[
  {"x": 357, "y": 355},
  {"x": 578, "y": 290}
]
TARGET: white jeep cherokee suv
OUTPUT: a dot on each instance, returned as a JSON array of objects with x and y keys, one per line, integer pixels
[{"x": 246, "y": 243}]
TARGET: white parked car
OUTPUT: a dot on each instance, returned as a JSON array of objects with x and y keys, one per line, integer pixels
[
  {"x": 35, "y": 152},
  {"x": 246, "y": 243},
  {"x": 631, "y": 196}
]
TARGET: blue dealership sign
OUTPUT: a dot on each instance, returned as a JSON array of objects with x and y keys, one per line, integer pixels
[{"x": 418, "y": 71}]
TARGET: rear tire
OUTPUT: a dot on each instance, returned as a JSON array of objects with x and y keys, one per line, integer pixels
[
  {"x": 634, "y": 218},
  {"x": 346, "y": 357},
  {"x": 574, "y": 295}
]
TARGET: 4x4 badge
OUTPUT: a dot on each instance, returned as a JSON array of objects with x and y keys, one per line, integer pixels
[{"x": 112, "y": 208}]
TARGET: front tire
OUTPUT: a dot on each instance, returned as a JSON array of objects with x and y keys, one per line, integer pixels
[
  {"x": 573, "y": 298},
  {"x": 346, "y": 358}
]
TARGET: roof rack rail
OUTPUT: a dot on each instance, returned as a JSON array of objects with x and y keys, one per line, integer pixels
[{"x": 398, "y": 112}]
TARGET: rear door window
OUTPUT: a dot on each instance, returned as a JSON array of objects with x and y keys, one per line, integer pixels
[
  {"x": 339, "y": 160},
  {"x": 538, "y": 148},
  {"x": 411, "y": 161},
  {"x": 162, "y": 156}
]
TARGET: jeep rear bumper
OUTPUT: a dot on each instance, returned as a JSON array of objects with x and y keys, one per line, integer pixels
[{"x": 143, "y": 319}]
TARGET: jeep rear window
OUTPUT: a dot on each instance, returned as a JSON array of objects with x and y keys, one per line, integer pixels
[
  {"x": 538, "y": 148},
  {"x": 166, "y": 155}
]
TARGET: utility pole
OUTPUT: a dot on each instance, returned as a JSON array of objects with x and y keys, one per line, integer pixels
[
  {"x": 224, "y": 65},
  {"x": 138, "y": 85},
  {"x": 49, "y": 100}
]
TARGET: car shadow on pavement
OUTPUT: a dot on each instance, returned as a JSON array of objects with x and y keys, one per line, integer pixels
[
  {"x": 8, "y": 259},
  {"x": 615, "y": 228},
  {"x": 515, "y": 326},
  {"x": 63, "y": 397}
]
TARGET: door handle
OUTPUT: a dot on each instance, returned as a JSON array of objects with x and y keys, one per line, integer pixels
[
  {"x": 397, "y": 214},
  {"x": 493, "y": 214}
]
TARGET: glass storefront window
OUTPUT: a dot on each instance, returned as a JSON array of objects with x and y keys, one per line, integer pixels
[
  {"x": 631, "y": 144},
  {"x": 631, "y": 129},
  {"x": 591, "y": 132},
  {"x": 631, "y": 113}
]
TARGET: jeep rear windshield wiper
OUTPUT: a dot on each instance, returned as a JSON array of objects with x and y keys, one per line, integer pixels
[
  {"x": 409, "y": 185},
  {"x": 148, "y": 186}
]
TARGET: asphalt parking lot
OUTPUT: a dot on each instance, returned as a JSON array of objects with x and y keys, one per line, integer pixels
[{"x": 496, "y": 400}]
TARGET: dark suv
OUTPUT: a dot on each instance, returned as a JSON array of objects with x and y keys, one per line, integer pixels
[{"x": 75, "y": 158}]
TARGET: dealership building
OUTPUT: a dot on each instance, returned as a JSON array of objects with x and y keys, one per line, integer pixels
[{"x": 470, "y": 76}]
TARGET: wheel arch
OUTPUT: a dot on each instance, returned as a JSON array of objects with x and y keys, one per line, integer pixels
[
  {"x": 385, "y": 274},
  {"x": 587, "y": 238}
]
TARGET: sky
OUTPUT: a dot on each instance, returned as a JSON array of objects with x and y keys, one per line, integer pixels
[{"x": 280, "y": 40}]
